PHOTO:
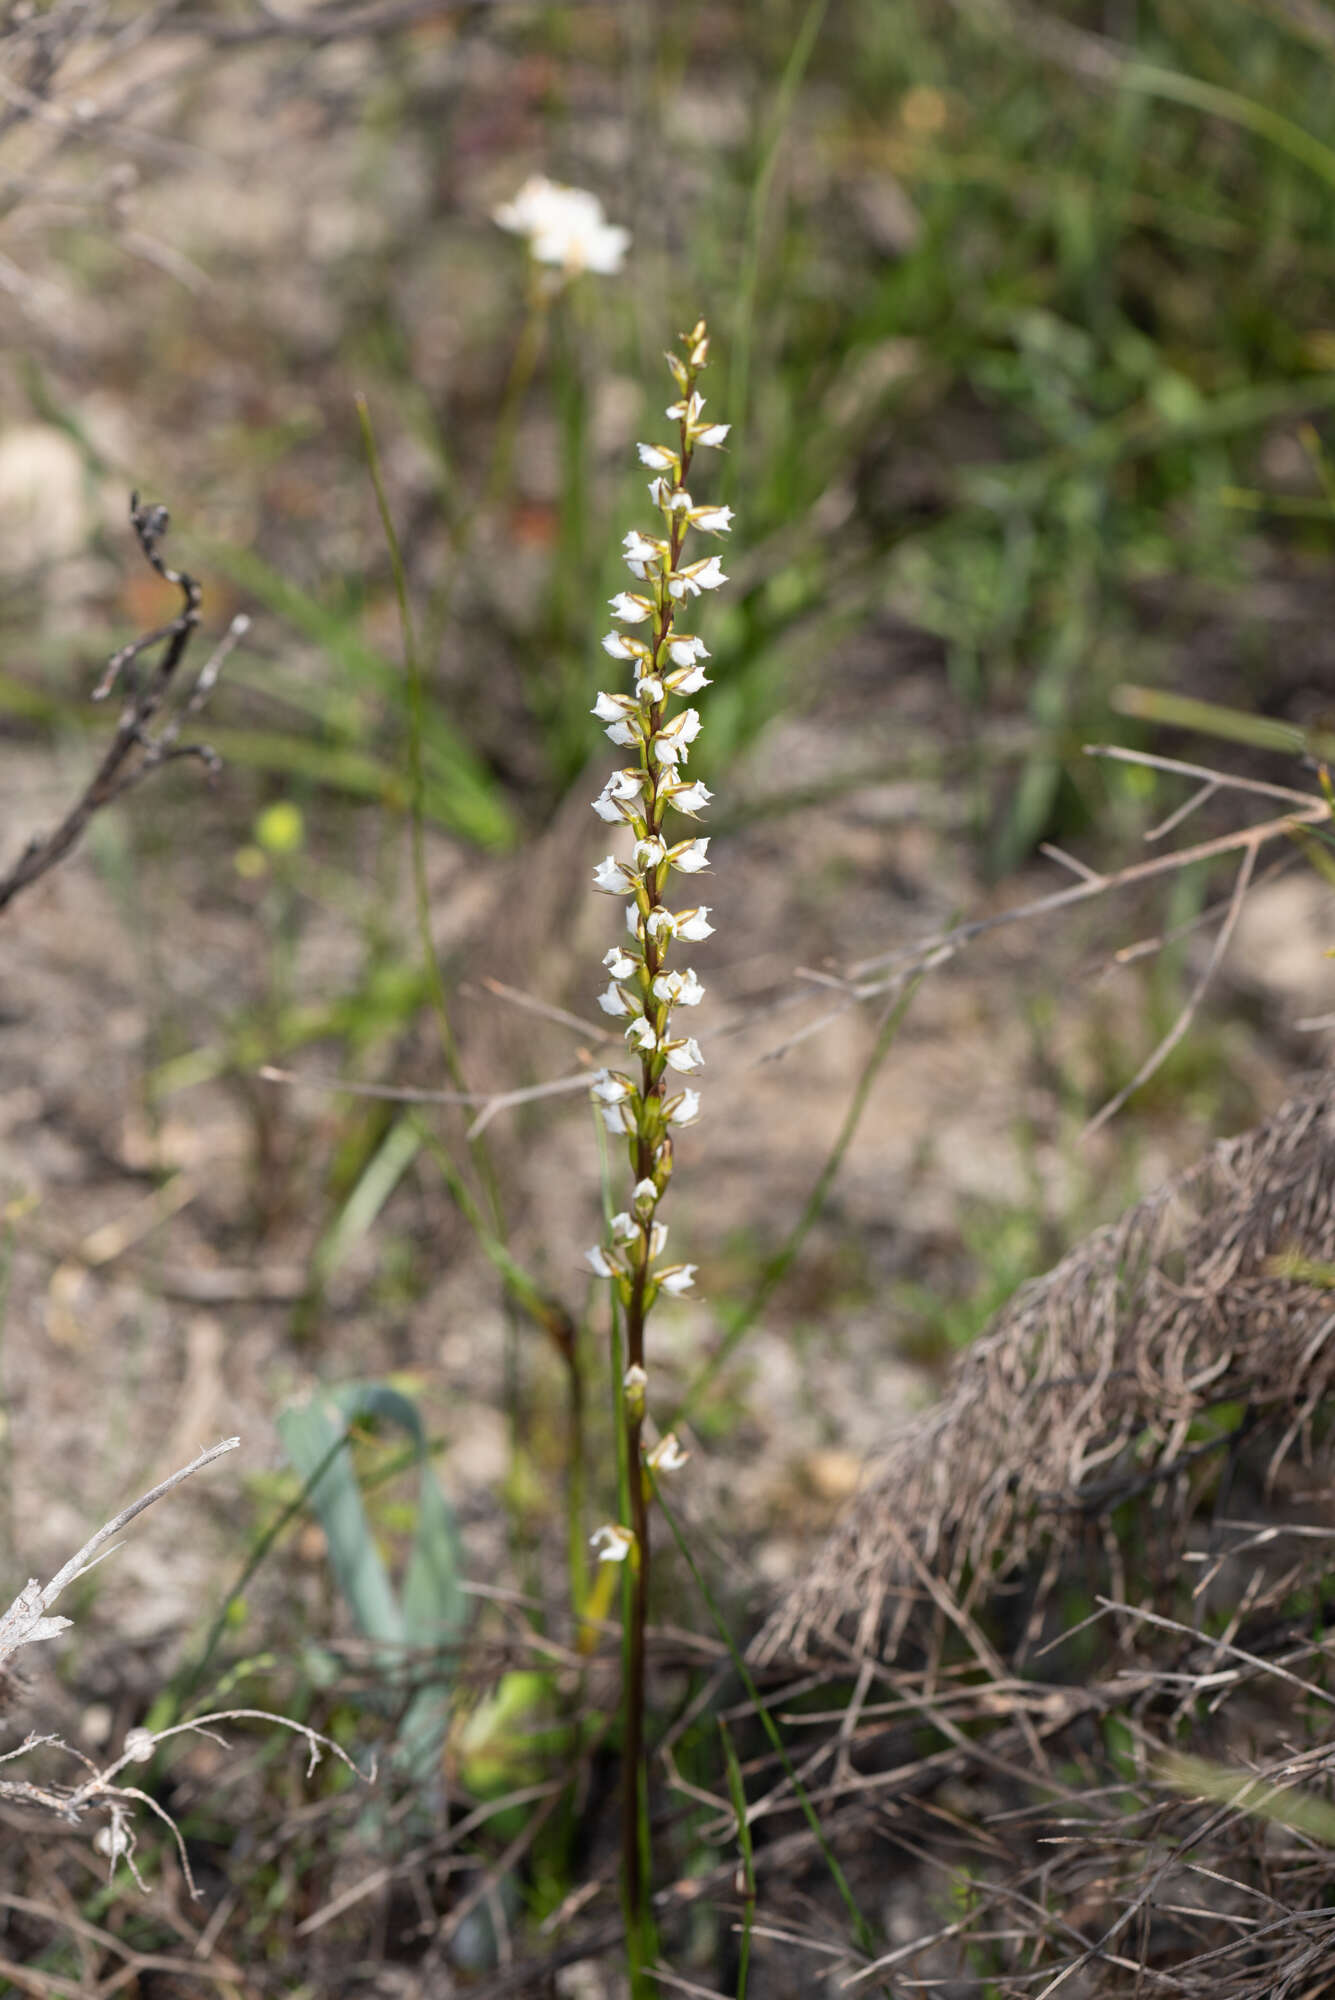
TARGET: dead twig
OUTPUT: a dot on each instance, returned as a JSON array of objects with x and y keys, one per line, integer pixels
[{"x": 134, "y": 752}]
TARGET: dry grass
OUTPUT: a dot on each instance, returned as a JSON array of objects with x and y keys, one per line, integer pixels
[{"x": 1137, "y": 1799}]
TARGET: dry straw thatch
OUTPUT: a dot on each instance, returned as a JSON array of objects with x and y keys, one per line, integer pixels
[
  {"x": 1092, "y": 1384},
  {"x": 1141, "y": 1446}
]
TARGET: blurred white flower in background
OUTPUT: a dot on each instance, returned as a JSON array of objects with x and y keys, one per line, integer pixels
[{"x": 565, "y": 226}]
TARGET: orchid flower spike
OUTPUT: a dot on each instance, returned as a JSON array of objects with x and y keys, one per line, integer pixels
[{"x": 654, "y": 804}]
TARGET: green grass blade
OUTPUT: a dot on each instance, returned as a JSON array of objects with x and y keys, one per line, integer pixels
[
  {"x": 376, "y": 1183},
  {"x": 862, "y": 1930},
  {"x": 743, "y": 329},
  {"x": 1234, "y": 109},
  {"x": 1210, "y": 718},
  {"x": 463, "y": 794},
  {"x": 737, "y": 1793}
]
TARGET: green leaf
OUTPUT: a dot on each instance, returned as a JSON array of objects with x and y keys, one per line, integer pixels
[{"x": 429, "y": 1610}]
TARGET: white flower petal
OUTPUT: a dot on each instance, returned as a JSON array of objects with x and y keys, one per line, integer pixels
[
  {"x": 630, "y": 607},
  {"x": 683, "y": 727},
  {"x": 713, "y": 434},
  {"x": 690, "y": 799},
  {"x": 678, "y": 989},
  {"x": 620, "y": 963},
  {"x": 657, "y": 457},
  {"x": 610, "y": 1088},
  {"x": 626, "y": 735},
  {"x": 609, "y": 707},
  {"x": 713, "y": 520},
  {"x": 613, "y": 877},
  {"x": 564, "y": 226},
  {"x": 693, "y": 925},
  {"x": 667, "y": 1455},
  {"x": 683, "y": 1110},
  {"x": 642, "y": 552},
  {"x": 678, "y": 1279},
  {"x": 690, "y": 856},
  {"x": 707, "y": 575},
  {"x": 622, "y": 648},
  {"x": 598, "y": 1264},
  {"x": 613, "y": 1001},
  {"x": 686, "y": 1056},
  {"x": 613, "y": 1542}
]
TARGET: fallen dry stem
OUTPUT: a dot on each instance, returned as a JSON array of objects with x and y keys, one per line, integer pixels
[{"x": 869, "y": 978}]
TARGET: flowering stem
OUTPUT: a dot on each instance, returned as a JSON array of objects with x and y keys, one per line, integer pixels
[
  {"x": 635, "y": 1792},
  {"x": 643, "y": 991}
]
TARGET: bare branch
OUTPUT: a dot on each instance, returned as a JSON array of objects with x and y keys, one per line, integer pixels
[{"x": 134, "y": 753}]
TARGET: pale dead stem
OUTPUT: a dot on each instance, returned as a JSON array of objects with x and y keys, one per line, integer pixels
[
  {"x": 871, "y": 978},
  {"x": 30, "y": 1620},
  {"x": 886, "y": 972}
]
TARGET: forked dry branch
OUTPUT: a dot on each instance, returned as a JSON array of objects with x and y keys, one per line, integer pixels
[{"x": 134, "y": 751}]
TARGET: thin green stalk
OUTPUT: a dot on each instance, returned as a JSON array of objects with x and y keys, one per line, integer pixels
[
  {"x": 1230, "y": 105},
  {"x": 416, "y": 766},
  {"x": 522, "y": 366},
  {"x": 191, "y": 1676},
  {"x": 576, "y": 1555},
  {"x": 637, "y": 1908},
  {"x": 737, "y": 1793},
  {"x": 749, "y": 280},
  {"x": 862, "y": 1930},
  {"x": 643, "y": 991},
  {"x": 634, "y": 1858},
  {"x": 741, "y": 1322},
  {"x": 548, "y": 1314},
  {"x": 478, "y": 1147}
]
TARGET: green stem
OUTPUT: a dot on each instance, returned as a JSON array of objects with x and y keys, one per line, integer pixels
[
  {"x": 862, "y": 1930},
  {"x": 749, "y": 277},
  {"x": 635, "y": 1796},
  {"x": 527, "y": 350}
]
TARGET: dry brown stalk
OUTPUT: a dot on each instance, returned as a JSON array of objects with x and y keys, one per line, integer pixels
[{"x": 134, "y": 751}]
